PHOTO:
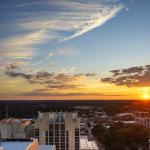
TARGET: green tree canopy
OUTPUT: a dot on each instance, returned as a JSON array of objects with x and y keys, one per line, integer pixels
[{"x": 122, "y": 137}]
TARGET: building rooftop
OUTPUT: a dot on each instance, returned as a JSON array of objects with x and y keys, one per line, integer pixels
[
  {"x": 124, "y": 114},
  {"x": 57, "y": 116},
  {"x": 46, "y": 147},
  {"x": 22, "y": 122},
  {"x": 22, "y": 145},
  {"x": 15, "y": 145},
  {"x": 127, "y": 122},
  {"x": 85, "y": 144}
]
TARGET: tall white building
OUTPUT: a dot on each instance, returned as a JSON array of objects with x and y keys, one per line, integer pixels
[{"x": 61, "y": 129}]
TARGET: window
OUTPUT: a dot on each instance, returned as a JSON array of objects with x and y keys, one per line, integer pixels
[
  {"x": 51, "y": 133},
  {"x": 56, "y": 133},
  {"x": 62, "y": 126},
  {"x": 56, "y": 139},
  {"x": 51, "y": 139},
  {"x": 62, "y": 133},
  {"x": 63, "y": 139},
  {"x": 46, "y": 134},
  {"x": 46, "y": 138},
  {"x": 67, "y": 140},
  {"x": 36, "y": 133},
  {"x": 77, "y": 134},
  {"x": 56, "y": 126},
  {"x": 62, "y": 145},
  {"x": 67, "y": 134},
  {"x": 51, "y": 128},
  {"x": 67, "y": 145}
]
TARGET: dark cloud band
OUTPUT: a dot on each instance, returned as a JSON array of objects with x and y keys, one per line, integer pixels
[
  {"x": 50, "y": 79},
  {"x": 132, "y": 77}
]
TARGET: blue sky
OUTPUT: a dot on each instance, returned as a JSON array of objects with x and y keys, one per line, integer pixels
[{"x": 75, "y": 36}]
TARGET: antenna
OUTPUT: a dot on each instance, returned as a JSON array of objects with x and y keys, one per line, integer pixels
[{"x": 7, "y": 111}]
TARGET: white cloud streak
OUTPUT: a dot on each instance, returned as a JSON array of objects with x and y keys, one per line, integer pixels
[
  {"x": 75, "y": 19},
  {"x": 68, "y": 70},
  {"x": 22, "y": 46},
  {"x": 71, "y": 19}
]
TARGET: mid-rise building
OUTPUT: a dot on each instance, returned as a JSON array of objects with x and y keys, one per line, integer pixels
[
  {"x": 142, "y": 118},
  {"x": 127, "y": 116},
  {"x": 61, "y": 129},
  {"x": 16, "y": 128}
]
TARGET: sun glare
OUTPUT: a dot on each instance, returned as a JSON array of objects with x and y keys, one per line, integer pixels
[{"x": 146, "y": 96}]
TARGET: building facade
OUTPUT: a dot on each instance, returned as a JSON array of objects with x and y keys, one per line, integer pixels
[
  {"x": 61, "y": 129},
  {"x": 142, "y": 118},
  {"x": 16, "y": 128}
]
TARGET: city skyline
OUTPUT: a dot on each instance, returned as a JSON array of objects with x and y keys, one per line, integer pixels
[{"x": 74, "y": 50}]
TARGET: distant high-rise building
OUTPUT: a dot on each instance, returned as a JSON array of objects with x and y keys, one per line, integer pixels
[{"x": 58, "y": 128}]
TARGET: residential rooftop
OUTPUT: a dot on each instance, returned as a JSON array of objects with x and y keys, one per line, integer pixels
[{"x": 85, "y": 144}]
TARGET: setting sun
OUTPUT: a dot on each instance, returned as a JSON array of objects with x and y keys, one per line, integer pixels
[{"x": 146, "y": 96}]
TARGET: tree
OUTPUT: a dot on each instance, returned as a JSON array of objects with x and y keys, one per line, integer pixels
[{"x": 122, "y": 137}]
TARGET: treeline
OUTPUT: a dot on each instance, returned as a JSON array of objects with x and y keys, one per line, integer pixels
[{"x": 122, "y": 137}]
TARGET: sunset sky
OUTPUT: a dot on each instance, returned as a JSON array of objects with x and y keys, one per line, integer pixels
[{"x": 74, "y": 49}]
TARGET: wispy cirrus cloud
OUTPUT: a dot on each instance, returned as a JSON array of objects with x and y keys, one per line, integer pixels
[
  {"x": 22, "y": 46},
  {"x": 37, "y": 23},
  {"x": 63, "y": 52},
  {"x": 68, "y": 70},
  {"x": 73, "y": 18},
  {"x": 138, "y": 76},
  {"x": 66, "y": 52}
]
